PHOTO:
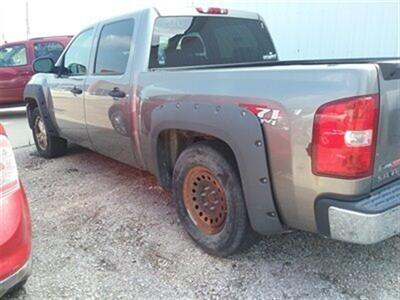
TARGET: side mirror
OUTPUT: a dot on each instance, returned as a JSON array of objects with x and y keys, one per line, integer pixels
[{"x": 43, "y": 65}]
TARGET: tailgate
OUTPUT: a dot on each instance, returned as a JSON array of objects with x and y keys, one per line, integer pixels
[{"x": 387, "y": 162}]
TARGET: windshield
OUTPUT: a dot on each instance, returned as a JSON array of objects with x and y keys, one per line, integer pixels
[
  {"x": 194, "y": 41},
  {"x": 12, "y": 56}
]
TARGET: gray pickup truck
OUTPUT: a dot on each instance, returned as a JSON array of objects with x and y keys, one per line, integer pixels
[{"x": 248, "y": 144}]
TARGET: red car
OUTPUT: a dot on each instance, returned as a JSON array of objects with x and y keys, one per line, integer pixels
[
  {"x": 16, "y": 64},
  {"x": 15, "y": 223}
]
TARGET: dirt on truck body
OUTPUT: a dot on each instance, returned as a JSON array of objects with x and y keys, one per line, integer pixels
[{"x": 248, "y": 144}]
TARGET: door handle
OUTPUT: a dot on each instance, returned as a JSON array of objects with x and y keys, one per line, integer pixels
[
  {"x": 117, "y": 93},
  {"x": 76, "y": 91}
]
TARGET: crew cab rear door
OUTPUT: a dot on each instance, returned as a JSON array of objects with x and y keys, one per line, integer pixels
[{"x": 108, "y": 109}]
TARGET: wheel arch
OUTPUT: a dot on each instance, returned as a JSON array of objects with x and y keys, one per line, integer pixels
[
  {"x": 30, "y": 104},
  {"x": 235, "y": 127},
  {"x": 34, "y": 96},
  {"x": 171, "y": 142}
]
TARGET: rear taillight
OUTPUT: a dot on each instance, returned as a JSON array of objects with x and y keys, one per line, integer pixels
[
  {"x": 212, "y": 11},
  {"x": 8, "y": 168},
  {"x": 344, "y": 137}
]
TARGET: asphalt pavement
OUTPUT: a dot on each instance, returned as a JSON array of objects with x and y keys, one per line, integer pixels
[{"x": 16, "y": 125}]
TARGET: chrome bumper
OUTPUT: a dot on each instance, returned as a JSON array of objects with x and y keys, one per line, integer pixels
[
  {"x": 366, "y": 220},
  {"x": 13, "y": 280},
  {"x": 362, "y": 228}
]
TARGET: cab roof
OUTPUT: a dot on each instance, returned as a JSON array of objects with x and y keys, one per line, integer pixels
[
  {"x": 181, "y": 12},
  {"x": 196, "y": 12}
]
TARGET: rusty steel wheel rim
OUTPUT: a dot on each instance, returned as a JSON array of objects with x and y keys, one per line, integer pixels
[
  {"x": 41, "y": 133},
  {"x": 205, "y": 200}
]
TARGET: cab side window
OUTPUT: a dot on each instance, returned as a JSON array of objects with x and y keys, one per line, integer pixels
[
  {"x": 76, "y": 59},
  {"x": 114, "y": 48},
  {"x": 52, "y": 50}
]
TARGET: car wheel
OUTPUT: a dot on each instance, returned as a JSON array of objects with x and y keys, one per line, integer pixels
[
  {"x": 16, "y": 289},
  {"x": 209, "y": 197},
  {"x": 47, "y": 145}
]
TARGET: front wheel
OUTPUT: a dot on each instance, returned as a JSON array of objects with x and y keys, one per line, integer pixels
[
  {"x": 209, "y": 197},
  {"x": 47, "y": 145}
]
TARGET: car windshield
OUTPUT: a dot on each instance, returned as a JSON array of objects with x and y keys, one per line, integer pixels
[
  {"x": 12, "y": 56},
  {"x": 194, "y": 41}
]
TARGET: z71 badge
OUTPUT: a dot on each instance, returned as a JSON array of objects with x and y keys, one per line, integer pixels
[{"x": 266, "y": 114}]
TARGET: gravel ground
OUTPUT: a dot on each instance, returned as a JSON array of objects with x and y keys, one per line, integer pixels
[{"x": 102, "y": 229}]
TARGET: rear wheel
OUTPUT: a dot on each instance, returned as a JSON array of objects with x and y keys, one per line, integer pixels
[
  {"x": 209, "y": 197},
  {"x": 47, "y": 145}
]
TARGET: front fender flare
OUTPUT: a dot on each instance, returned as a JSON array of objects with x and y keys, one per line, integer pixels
[
  {"x": 35, "y": 92},
  {"x": 239, "y": 129}
]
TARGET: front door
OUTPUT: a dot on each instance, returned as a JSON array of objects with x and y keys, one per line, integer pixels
[
  {"x": 107, "y": 100},
  {"x": 67, "y": 89}
]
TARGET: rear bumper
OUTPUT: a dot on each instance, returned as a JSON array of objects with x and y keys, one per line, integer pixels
[
  {"x": 368, "y": 220},
  {"x": 19, "y": 276}
]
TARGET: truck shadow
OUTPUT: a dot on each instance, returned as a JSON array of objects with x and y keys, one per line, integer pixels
[{"x": 12, "y": 113}]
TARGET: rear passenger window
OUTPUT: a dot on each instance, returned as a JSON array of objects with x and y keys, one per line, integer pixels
[
  {"x": 52, "y": 50},
  {"x": 114, "y": 48}
]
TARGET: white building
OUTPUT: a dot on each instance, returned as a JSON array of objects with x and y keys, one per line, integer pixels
[{"x": 327, "y": 28}]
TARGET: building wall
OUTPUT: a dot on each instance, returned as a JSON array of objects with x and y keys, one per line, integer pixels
[{"x": 327, "y": 29}]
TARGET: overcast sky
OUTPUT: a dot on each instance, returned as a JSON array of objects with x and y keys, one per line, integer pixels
[
  {"x": 67, "y": 17},
  {"x": 60, "y": 17}
]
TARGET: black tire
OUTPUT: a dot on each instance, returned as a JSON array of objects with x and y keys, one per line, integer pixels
[
  {"x": 53, "y": 146},
  {"x": 16, "y": 288},
  {"x": 236, "y": 233}
]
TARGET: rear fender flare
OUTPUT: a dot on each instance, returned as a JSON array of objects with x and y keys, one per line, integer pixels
[{"x": 242, "y": 132}]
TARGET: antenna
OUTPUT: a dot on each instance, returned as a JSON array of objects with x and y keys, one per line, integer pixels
[{"x": 27, "y": 19}]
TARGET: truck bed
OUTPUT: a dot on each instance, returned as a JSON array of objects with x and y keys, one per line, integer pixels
[
  {"x": 294, "y": 88},
  {"x": 292, "y": 63}
]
